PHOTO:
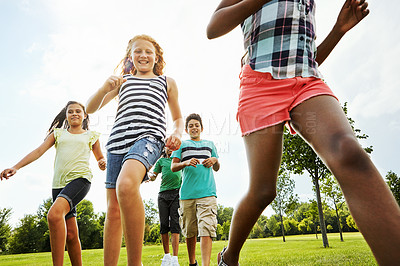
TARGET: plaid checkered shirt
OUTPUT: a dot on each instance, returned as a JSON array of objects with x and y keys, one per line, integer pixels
[{"x": 280, "y": 39}]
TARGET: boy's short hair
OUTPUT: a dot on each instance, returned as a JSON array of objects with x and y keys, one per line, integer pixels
[{"x": 195, "y": 117}]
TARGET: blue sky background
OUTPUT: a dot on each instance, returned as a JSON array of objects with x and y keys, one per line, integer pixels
[{"x": 55, "y": 51}]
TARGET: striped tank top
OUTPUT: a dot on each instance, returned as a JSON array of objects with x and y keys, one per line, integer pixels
[{"x": 140, "y": 113}]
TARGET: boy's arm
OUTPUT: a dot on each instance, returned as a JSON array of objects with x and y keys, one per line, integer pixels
[
  {"x": 105, "y": 94},
  {"x": 32, "y": 156},
  {"x": 173, "y": 142},
  {"x": 177, "y": 165},
  {"x": 212, "y": 161},
  {"x": 98, "y": 154},
  {"x": 231, "y": 13},
  {"x": 153, "y": 175},
  {"x": 216, "y": 166},
  {"x": 352, "y": 12}
]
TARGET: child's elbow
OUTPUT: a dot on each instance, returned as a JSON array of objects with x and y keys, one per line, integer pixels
[
  {"x": 173, "y": 168},
  {"x": 211, "y": 33}
]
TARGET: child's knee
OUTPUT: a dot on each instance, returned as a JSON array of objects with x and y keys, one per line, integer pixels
[
  {"x": 348, "y": 153},
  {"x": 262, "y": 197},
  {"x": 113, "y": 213},
  {"x": 54, "y": 216}
]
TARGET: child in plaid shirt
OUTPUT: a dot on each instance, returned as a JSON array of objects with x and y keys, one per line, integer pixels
[{"x": 280, "y": 84}]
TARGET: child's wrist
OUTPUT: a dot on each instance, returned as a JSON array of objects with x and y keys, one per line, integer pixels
[
  {"x": 339, "y": 30},
  {"x": 102, "y": 90}
]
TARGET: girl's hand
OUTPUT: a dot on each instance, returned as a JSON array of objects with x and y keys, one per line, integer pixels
[
  {"x": 192, "y": 162},
  {"x": 112, "y": 83},
  {"x": 7, "y": 173},
  {"x": 102, "y": 164},
  {"x": 173, "y": 142},
  {"x": 352, "y": 12},
  {"x": 209, "y": 162}
]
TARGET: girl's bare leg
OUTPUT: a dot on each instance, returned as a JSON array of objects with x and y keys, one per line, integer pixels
[
  {"x": 370, "y": 201},
  {"x": 112, "y": 230},
  {"x": 73, "y": 243},
  {"x": 132, "y": 209},
  {"x": 264, "y": 151},
  {"x": 57, "y": 228}
]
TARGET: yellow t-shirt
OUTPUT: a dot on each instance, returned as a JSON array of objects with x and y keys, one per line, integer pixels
[{"x": 72, "y": 156}]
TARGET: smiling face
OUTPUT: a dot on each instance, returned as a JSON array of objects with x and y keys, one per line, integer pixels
[
  {"x": 194, "y": 129},
  {"x": 75, "y": 115},
  {"x": 144, "y": 57}
]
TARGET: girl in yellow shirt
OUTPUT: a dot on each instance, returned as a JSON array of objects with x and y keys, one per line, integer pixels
[{"x": 73, "y": 140}]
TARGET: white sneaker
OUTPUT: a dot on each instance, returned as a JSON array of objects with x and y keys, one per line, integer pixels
[
  {"x": 166, "y": 260},
  {"x": 174, "y": 261}
]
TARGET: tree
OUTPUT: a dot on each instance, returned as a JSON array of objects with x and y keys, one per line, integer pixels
[
  {"x": 284, "y": 196},
  {"x": 151, "y": 212},
  {"x": 90, "y": 230},
  {"x": 298, "y": 157},
  {"x": 351, "y": 223},
  {"x": 225, "y": 229},
  {"x": 25, "y": 237},
  {"x": 393, "y": 181},
  {"x": 43, "y": 227},
  {"x": 331, "y": 189},
  {"x": 313, "y": 214},
  {"x": 224, "y": 214},
  {"x": 274, "y": 225},
  {"x": 154, "y": 235},
  {"x": 5, "y": 228}
]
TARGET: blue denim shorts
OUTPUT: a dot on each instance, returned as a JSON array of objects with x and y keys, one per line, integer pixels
[
  {"x": 146, "y": 150},
  {"x": 74, "y": 192}
]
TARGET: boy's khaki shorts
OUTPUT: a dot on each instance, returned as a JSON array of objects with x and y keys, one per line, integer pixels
[{"x": 198, "y": 217}]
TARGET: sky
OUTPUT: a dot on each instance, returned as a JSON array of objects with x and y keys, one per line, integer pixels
[{"x": 55, "y": 51}]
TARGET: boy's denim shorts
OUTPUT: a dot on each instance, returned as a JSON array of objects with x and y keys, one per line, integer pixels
[
  {"x": 146, "y": 150},
  {"x": 73, "y": 192}
]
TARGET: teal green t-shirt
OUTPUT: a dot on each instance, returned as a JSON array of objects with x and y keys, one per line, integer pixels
[
  {"x": 198, "y": 182},
  {"x": 169, "y": 180}
]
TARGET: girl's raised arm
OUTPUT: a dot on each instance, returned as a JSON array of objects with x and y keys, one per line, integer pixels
[
  {"x": 231, "y": 13},
  {"x": 105, "y": 94},
  {"x": 174, "y": 141},
  {"x": 350, "y": 15},
  {"x": 32, "y": 156}
]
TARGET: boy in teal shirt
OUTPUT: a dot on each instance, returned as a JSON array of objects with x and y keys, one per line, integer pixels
[
  {"x": 168, "y": 205},
  {"x": 198, "y": 211}
]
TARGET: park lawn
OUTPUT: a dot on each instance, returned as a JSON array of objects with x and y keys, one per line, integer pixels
[{"x": 297, "y": 250}]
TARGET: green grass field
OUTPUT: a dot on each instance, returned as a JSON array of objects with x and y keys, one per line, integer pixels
[{"x": 297, "y": 250}]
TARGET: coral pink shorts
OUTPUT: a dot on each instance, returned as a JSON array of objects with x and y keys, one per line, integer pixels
[{"x": 265, "y": 101}]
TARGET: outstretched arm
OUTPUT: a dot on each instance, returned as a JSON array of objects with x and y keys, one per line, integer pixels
[
  {"x": 105, "y": 94},
  {"x": 32, "y": 156},
  {"x": 173, "y": 142},
  {"x": 352, "y": 12},
  {"x": 231, "y": 13}
]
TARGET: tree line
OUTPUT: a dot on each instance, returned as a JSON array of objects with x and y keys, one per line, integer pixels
[{"x": 291, "y": 217}]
